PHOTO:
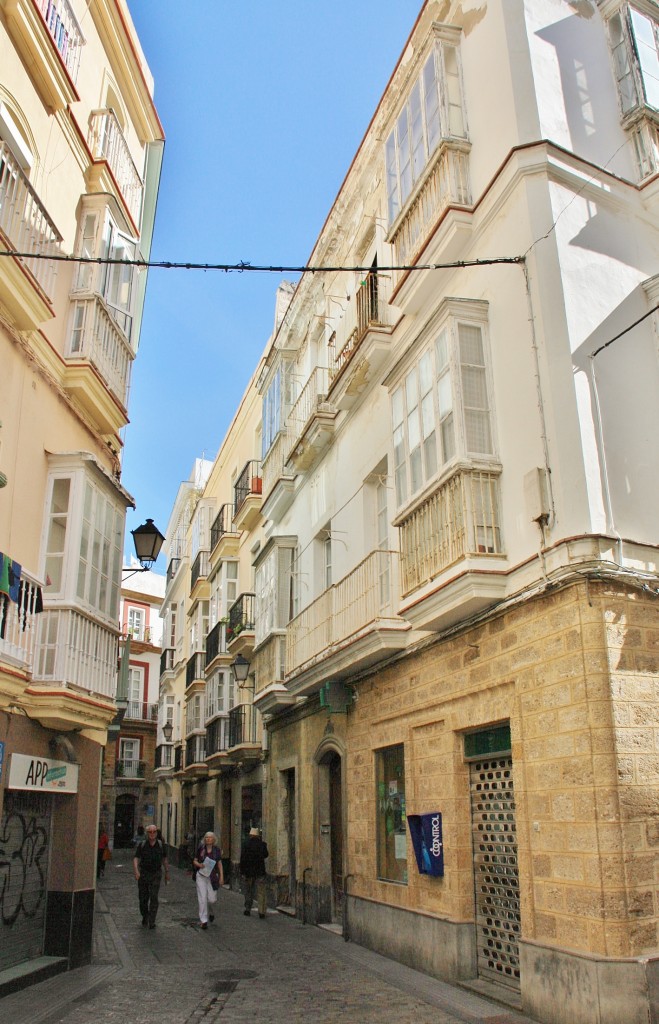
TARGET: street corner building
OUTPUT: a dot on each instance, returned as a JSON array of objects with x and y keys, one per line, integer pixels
[
  {"x": 80, "y": 155},
  {"x": 437, "y": 573}
]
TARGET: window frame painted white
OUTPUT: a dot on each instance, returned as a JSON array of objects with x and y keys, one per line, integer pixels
[
  {"x": 421, "y": 432},
  {"x": 432, "y": 112}
]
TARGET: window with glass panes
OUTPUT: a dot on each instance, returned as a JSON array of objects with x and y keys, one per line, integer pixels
[
  {"x": 441, "y": 408},
  {"x": 274, "y": 590},
  {"x": 99, "y": 561},
  {"x": 634, "y": 39},
  {"x": 391, "y": 825},
  {"x": 432, "y": 112}
]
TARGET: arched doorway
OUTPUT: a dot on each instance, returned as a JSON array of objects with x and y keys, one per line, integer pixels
[
  {"x": 124, "y": 819},
  {"x": 330, "y": 803}
]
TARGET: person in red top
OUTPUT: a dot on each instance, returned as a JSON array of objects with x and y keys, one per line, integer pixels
[{"x": 103, "y": 843}]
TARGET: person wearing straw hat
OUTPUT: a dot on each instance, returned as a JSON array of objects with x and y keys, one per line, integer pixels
[{"x": 252, "y": 868}]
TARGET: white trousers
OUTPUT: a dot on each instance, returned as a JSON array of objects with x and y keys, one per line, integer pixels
[{"x": 206, "y": 895}]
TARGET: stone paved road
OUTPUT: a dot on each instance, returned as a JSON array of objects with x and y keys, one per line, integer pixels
[{"x": 272, "y": 971}]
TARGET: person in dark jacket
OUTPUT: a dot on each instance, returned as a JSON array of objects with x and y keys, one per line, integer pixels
[
  {"x": 149, "y": 862},
  {"x": 252, "y": 868}
]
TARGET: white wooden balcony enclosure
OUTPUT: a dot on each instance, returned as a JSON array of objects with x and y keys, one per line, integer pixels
[
  {"x": 107, "y": 142},
  {"x": 455, "y": 531},
  {"x": 96, "y": 339},
  {"x": 445, "y": 183},
  {"x": 74, "y": 650},
  {"x": 26, "y": 225},
  {"x": 350, "y": 626}
]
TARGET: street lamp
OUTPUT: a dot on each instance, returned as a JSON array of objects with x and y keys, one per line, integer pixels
[
  {"x": 167, "y": 731},
  {"x": 240, "y": 667},
  {"x": 148, "y": 541}
]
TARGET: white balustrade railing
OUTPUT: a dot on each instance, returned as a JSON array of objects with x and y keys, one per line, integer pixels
[
  {"x": 446, "y": 184},
  {"x": 74, "y": 650},
  {"x": 273, "y": 464},
  {"x": 18, "y": 623},
  {"x": 96, "y": 338},
  {"x": 25, "y": 223},
  {"x": 313, "y": 393},
  {"x": 65, "y": 32},
  {"x": 361, "y": 598},
  {"x": 460, "y": 519},
  {"x": 107, "y": 142}
]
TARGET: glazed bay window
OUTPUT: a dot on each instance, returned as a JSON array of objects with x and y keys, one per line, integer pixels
[
  {"x": 441, "y": 407},
  {"x": 220, "y": 693},
  {"x": 635, "y": 46},
  {"x": 274, "y": 588},
  {"x": 277, "y": 403},
  {"x": 391, "y": 822},
  {"x": 634, "y": 41}
]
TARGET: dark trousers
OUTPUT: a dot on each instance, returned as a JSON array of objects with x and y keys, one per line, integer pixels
[
  {"x": 148, "y": 888},
  {"x": 252, "y": 886},
  {"x": 100, "y": 863}
]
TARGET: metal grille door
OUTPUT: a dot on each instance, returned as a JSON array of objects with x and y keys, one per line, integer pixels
[
  {"x": 495, "y": 870},
  {"x": 24, "y": 848}
]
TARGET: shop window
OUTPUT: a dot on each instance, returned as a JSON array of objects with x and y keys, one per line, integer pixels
[{"x": 390, "y": 811}]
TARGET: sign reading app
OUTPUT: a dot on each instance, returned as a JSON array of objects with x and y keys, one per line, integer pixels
[{"x": 27, "y": 772}]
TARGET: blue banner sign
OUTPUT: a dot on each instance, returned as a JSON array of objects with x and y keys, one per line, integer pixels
[{"x": 426, "y": 833}]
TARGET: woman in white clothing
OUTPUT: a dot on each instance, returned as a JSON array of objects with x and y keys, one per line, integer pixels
[{"x": 208, "y": 876}]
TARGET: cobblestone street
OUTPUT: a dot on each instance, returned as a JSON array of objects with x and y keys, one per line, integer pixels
[{"x": 274, "y": 971}]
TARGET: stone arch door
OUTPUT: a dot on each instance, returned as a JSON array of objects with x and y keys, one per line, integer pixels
[{"x": 330, "y": 805}]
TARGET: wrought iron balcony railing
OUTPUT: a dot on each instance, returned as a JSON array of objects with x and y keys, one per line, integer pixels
[
  {"x": 217, "y": 736},
  {"x": 216, "y": 642},
  {"x": 195, "y": 750},
  {"x": 223, "y": 523},
  {"x": 172, "y": 569},
  {"x": 249, "y": 482},
  {"x": 164, "y": 756},
  {"x": 107, "y": 142},
  {"x": 167, "y": 659},
  {"x": 241, "y": 616},
  {"x": 194, "y": 670},
  {"x": 243, "y": 725},
  {"x": 461, "y": 518},
  {"x": 200, "y": 568},
  {"x": 65, "y": 32},
  {"x": 26, "y": 224}
]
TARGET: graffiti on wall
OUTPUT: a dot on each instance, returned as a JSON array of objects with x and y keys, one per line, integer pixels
[{"x": 23, "y": 866}]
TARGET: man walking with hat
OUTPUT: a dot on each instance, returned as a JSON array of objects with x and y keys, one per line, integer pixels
[{"x": 252, "y": 868}]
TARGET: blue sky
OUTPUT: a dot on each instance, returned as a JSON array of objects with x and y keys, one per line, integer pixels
[{"x": 263, "y": 105}]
